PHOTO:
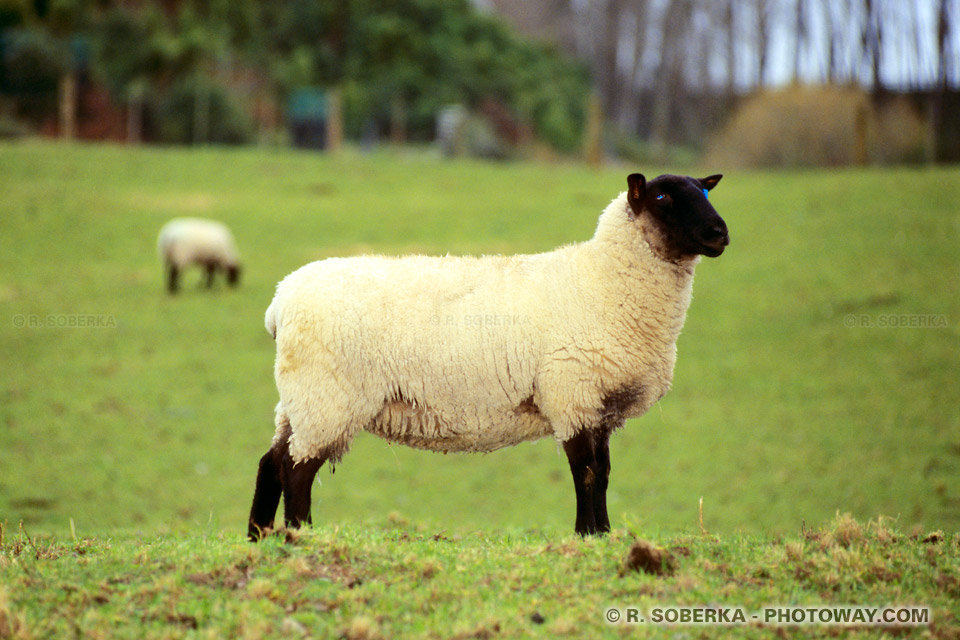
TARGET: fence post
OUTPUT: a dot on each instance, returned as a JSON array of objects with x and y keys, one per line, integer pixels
[
  {"x": 334, "y": 120},
  {"x": 593, "y": 134},
  {"x": 68, "y": 106}
]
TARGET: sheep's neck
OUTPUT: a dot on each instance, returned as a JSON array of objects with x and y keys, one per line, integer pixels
[
  {"x": 656, "y": 296},
  {"x": 653, "y": 294}
]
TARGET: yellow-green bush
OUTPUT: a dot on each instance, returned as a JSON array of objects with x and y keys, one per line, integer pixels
[{"x": 816, "y": 126}]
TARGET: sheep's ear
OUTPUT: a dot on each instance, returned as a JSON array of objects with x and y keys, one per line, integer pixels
[
  {"x": 710, "y": 181},
  {"x": 636, "y": 190}
]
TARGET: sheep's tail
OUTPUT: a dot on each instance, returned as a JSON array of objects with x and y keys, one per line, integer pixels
[
  {"x": 270, "y": 320},
  {"x": 163, "y": 242},
  {"x": 281, "y": 423}
]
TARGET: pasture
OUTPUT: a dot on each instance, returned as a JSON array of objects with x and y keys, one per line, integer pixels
[{"x": 816, "y": 374}]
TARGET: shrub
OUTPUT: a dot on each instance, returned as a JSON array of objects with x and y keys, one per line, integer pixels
[
  {"x": 817, "y": 126},
  {"x": 31, "y": 63},
  {"x": 172, "y": 114},
  {"x": 900, "y": 133}
]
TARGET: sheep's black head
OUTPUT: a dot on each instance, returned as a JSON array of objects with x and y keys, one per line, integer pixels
[{"x": 678, "y": 220}]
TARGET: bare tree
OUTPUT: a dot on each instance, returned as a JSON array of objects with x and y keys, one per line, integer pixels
[
  {"x": 870, "y": 40},
  {"x": 654, "y": 60},
  {"x": 830, "y": 41},
  {"x": 730, "y": 37},
  {"x": 944, "y": 58},
  {"x": 674, "y": 24},
  {"x": 630, "y": 110},
  {"x": 762, "y": 9},
  {"x": 606, "y": 67},
  {"x": 799, "y": 37},
  {"x": 550, "y": 20},
  {"x": 913, "y": 38},
  {"x": 838, "y": 22}
]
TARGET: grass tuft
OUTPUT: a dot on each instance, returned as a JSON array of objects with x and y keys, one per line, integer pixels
[
  {"x": 843, "y": 531},
  {"x": 12, "y": 624},
  {"x": 362, "y": 628}
]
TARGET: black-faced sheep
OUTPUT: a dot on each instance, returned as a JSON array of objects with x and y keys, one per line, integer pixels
[
  {"x": 194, "y": 241},
  {"x": 475, "y": 354}
]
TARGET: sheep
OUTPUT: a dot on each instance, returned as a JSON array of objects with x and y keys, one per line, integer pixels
[
  {"x": 471, "y": 354},
  {"x": 206, "y": 243}
]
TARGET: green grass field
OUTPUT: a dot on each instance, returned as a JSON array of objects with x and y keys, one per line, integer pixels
[
  {"x": 395, "y": 580},
  {"x": 803, "y": 387}
]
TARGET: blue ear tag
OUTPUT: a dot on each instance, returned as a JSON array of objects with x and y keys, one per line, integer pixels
[{"x": 705, "y": 194}]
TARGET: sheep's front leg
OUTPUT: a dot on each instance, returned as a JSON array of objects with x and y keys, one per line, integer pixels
[
  {"x": 602, "y": 449},
  {"x": 589, "y": 479},
  {"x": 211, "y": 269},
  {"x": 172, "y": 274}
]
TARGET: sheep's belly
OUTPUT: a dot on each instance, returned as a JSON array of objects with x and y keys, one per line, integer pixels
[{"x": 423, "y": 428}]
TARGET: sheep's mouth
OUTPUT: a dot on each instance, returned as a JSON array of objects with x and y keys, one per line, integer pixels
[{"x": 714, "y": 248}]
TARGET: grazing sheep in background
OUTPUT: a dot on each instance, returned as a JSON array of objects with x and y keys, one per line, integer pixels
[
  {"x": 206, "y": 243},
  {"x": 475, "y": 354}
]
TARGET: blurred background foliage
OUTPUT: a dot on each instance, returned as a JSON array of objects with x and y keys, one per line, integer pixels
[
  {"x": 747, "y": 82},
  {"x": 819, "y": 126},
  {"x": 238, "y": 61}
]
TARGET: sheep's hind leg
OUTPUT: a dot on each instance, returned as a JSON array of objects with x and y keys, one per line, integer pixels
[
  {"x": 266, "y": 496},
  {"x": 278, "y": 475},
  {"x": 582, "y": 456},
  {"x": 297, "y": 483}
]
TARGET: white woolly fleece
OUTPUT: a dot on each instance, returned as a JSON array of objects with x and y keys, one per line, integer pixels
[
  {"x": 186, "y": 241},
  {"x": 474, "y": 354}
]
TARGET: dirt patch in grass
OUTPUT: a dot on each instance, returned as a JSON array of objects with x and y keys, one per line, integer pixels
[
  {"x": 935, "y": 537},
  {"x": 234, "y": 577},
  {"x": 648, "y": 558}
]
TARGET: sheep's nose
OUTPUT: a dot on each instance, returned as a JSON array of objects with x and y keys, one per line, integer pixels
[
  {"x": 723, "y": 234},
  {"x": 716, "y": 233}
]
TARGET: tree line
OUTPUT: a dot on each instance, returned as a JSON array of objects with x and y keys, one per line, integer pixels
[
  {"x": 668, "y": 71},
  {"x": 660, "y": 65},
  {"x": 218, "y": 70}
]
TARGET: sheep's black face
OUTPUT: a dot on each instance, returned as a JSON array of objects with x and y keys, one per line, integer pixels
[{"x": 682, "y": 221}]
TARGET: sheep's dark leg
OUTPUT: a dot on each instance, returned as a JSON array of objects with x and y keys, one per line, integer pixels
[
  {"x": 211, "y": 271},
  {"x": 172, "y": 274},
  {"x": 266, "y": 497},
  {"x": 602, "y": 452},
  {"x": 297, "y": 483},
  {"x": 581, "y": 454}
]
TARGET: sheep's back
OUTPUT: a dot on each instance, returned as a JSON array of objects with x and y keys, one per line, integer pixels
[
  {"x": 435, "y": 346},
  {"x": 195, "y": 240}
]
